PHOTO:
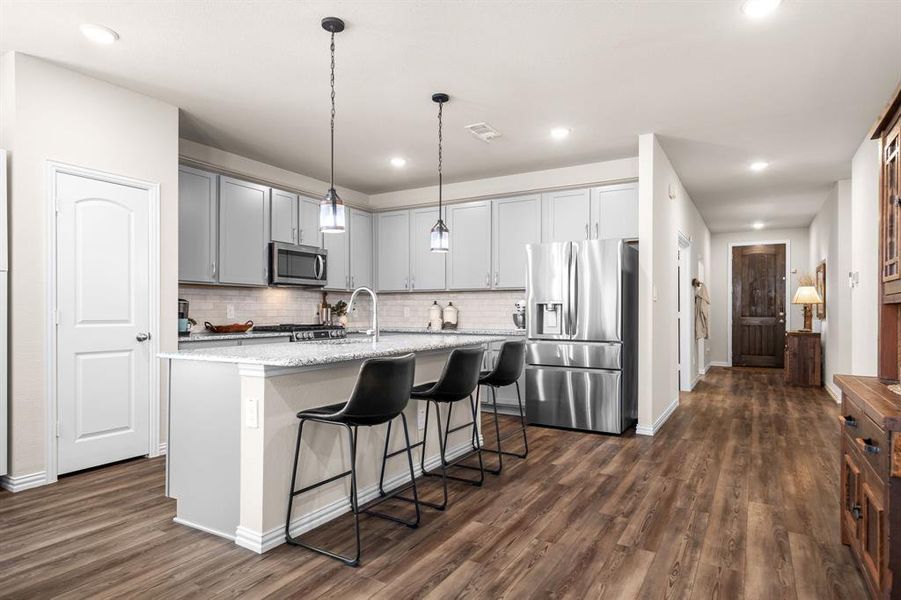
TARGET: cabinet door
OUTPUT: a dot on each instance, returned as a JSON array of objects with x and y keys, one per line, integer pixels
[
  {"x": 393, "y": 251},
  {"x": 360, "y": 248},
  {"x": 851, "y": 506},
  {"x": 515, "y": 223},
  {"x": 198, "y": 208},
  {"x": 566, "y": 215},
  {"x": 338, "y": 259},
  {"x": 872, "y": 533},
  {"x": 891, "y": 205},
  {"x": 469, "y": 258},
  {"x": 243, "y": 232},
  {"x": 427, "y": 268},
  {"x": 308, "y": 234},
  {"x": 283, "y": 208},
  {"x": 614, "y": 212}
]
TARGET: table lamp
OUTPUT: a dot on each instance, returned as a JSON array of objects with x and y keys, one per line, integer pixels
[{"x": 806, "y": 295}]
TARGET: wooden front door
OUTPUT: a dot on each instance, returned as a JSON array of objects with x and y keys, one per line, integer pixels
[{"x": 758, "y": 305}]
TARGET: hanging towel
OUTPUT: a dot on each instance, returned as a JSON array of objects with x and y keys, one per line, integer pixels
[{"x": 702, "y": 312}]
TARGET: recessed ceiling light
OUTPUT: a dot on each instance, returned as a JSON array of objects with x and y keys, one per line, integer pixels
[
  {"x": 560, "y": 133},
  {"x": 757, "y": 9},
  {"x": 398, "y": 161},
  {"x": 759, "y": 165},
  {"x": 99, "y": 34},
  {"x": 757, "y": 225}
]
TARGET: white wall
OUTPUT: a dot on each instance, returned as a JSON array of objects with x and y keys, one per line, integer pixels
[
  {"x": 611, "y": 171},
  {"x": 51, "y": 113},
  {"x": 798, "y": 262},
  {"x": 865, "y": 258},
  {"x": 830, "y": 240},
  {"x": 661, "y": 219}
]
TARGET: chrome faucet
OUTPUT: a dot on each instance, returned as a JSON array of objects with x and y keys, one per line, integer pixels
[{"x": 374, "y": 332}]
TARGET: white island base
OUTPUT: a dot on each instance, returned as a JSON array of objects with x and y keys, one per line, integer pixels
[{"x": 233, "y": 428}]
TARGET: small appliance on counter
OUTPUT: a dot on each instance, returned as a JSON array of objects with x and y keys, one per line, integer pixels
[
  {"x": 436, "y": 320},
  {"x": 450, "y": 315},
  {"x": 184, "y": 321},
  {"x": 519, "y": 314}
]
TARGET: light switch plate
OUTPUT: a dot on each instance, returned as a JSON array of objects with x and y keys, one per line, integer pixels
[
  {"x": 229, "y": 311},
  {"x": 253, "y": 413},
  {"x": 420, "y": 416}
]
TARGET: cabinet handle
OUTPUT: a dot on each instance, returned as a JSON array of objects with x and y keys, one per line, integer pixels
[
  {"x": 488, "y": 279},
  {"x": 412, "y": 283},
  {"x": 406, "y": 285},
  {"x": 213, "y": 268},
  {"x": 294, "y": 234},
  {"x": 352, "y": 284},
  {"x": 497, "y": 275},
  {"x": 586, "y": 231},
  {"x": 266, "y": 274},
  {"x": 300, "y": 235},
  {"x": 848, "y": 420},
  {"x": 867, "y": 445},
  {"x": 857, "y": 512},
  {"x": 597, "y": 230}
]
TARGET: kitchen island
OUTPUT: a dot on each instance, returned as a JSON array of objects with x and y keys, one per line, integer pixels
[{"x": 233, "y": 426}]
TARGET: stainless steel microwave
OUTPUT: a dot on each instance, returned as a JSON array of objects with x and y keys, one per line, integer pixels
[{"x": 290, "y": 264}]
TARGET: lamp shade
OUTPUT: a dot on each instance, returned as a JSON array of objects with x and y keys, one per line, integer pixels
[{"x": 807, "y": 294}]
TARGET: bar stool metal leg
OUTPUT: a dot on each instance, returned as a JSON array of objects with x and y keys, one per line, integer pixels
[
  {"x": 522, "y": 429},
  {"x": 394, "y": 493}
]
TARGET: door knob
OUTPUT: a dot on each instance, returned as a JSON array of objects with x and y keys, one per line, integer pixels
[{"x": 142, "y": 337}]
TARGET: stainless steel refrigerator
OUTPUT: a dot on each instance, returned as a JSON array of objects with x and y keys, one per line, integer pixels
[{"x": 582, "y": 363}]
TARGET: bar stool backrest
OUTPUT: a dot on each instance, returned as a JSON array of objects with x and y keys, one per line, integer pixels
[
  {"x": 510, "y": 362},
  {"x": 382, "y": 390},
  {"x": 460, "y": 376}
]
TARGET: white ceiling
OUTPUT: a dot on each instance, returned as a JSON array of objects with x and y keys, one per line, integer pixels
[{"x": 799, "y": 89}]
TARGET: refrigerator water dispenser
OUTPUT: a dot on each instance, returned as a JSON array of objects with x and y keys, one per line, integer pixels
[{"x": 550, "y": 318}]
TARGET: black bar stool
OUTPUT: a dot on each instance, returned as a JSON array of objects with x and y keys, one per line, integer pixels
[
  {"x": 457, "y": 382},
  {"x": 510, "y": 362},
  {"x": 381, "y": 393}
]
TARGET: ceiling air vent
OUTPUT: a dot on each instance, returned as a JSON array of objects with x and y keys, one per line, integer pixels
[{"x": 483, "y": 131}]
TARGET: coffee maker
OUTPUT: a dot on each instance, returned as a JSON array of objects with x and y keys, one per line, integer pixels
[{"x": 184, "y": 321}]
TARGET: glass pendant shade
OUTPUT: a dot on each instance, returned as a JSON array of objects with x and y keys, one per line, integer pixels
[
  {"x": 440, "y": 237},
  {"x": 331, "y": 213}
]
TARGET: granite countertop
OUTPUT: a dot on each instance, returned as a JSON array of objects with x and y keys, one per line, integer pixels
[
  {"x": 304, "y": 354},
  {"x": 206, "y": 336}
]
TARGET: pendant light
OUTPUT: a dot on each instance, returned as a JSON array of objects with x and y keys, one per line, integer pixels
[
  {"x": 440, "y": 237},
  {"x": 331, "y": 208}
]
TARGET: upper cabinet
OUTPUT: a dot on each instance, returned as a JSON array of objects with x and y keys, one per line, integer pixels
[
  {"x": 516, "y": 222},
  {"x": 337, "y": 262},
  {"x": 891, "y": 204},
  {"x": 308, "y": 232},
  {"x": 427, "y": 268},
  {"x": 284, "y": 216},
  {"x": 614, "y": 211},
  {"x": 198, "y": 193},
  {"x": 469, "y": 258},
  {"x": 360, "y": 248},
  {"x": 243, "y": 232},
  {"x": 393, "y": 251},
  {"x": 566, "y": 215}
]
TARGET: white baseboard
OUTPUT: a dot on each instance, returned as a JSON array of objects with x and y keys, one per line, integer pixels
[
  {"x": 21, "y": 483},
  {"x": 664, "y": 416},
  {"x": 835, "y": 393},
  {"x": 203, "y": 528},
  {"x": 720, "y": 363},
  {"x": 275, "y": 537}
]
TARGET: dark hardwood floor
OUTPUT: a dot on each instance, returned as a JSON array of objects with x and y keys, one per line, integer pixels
[{"x": 735, "y": 497}]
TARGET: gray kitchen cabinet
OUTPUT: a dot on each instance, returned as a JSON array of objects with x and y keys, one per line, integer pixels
[
  {"x": 515, "y": 223},
  {"x": 283, "y": 209},
  {"x": 614, "y": 211},
  {"x": 308, "y": 233},
  {"x": 198, "y": 199},
  {"x": 566, "y": 215},
  {"x": 469, "y": 257},
  {"x": 360, "y": 248},
  {"x": 427, "y": 268},
  {"x": 338, "y": 259},
  {"x": 243, "y": 232},
  {"x": 393, "y": 251}
]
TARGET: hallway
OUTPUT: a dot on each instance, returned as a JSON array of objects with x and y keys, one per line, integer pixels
[{"x": 735, "y": 497}]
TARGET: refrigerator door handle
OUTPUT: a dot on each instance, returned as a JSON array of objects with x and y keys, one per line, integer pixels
[{"x": 571, "y": 291}]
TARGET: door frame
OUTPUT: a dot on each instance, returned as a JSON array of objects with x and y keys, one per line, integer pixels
[
  {"x": 788, "y": 267},
  {"x": 686, "y": 329},
  {"x": 53, "y": 169}
]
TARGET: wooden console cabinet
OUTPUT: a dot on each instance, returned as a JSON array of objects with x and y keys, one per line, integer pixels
[
  {"x": 803, "y": 358},
  {"x": 871, "y": 480}
]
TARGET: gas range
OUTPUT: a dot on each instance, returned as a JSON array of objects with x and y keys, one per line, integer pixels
[{"x": 302, "y": 332}]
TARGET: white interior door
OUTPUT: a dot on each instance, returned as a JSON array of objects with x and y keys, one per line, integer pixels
[{"x": 103, "y": 352}]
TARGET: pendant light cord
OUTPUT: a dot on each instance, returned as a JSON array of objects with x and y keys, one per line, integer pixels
[
  {"x": 332, "y": 176},
  {"x": 440, "y": 139}
]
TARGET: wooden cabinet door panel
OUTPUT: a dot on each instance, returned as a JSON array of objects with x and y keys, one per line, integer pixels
[
  {"x": 891, "y": 205},
  {"x": 758, "y": 305},
  {"x": 851, "y": 506},
  {"x": 872, "y": 532}
]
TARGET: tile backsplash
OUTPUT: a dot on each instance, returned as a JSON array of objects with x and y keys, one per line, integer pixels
[{"x": 489, "y": 309}]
